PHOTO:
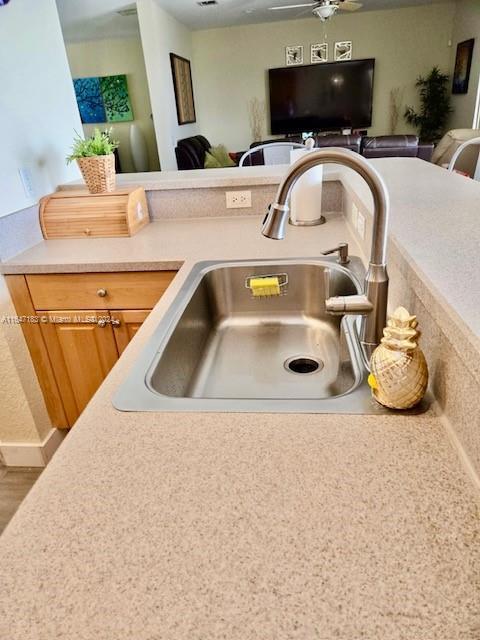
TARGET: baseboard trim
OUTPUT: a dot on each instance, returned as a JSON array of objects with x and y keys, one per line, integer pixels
[
  {"x": 463, "y": 456},
  {"x": 28, "y": 454}
]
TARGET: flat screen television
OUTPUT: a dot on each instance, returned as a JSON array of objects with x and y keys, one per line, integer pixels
[{"x": 326, "y": 96}]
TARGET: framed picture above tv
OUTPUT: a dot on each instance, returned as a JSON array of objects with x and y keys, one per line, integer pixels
[
  {"x": 463, "y": 65},
  {"x": 294, "y": 55},
  {"x": 182, "y": 83},
  {"x": 319, "y": 53}
]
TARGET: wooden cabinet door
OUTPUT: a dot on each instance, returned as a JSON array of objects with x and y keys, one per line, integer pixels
[
  {"x": 82, "y": 350},
  {"x": 125, "y": 326}
]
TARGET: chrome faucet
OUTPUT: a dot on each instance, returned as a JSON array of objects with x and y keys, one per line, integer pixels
[{"x": 373, "y": 303}]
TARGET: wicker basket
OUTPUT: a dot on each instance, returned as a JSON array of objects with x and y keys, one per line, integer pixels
[{"x": 98, "y": 173}]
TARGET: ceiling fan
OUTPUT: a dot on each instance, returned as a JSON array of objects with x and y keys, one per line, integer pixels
[{"x": 323, "y": 9}]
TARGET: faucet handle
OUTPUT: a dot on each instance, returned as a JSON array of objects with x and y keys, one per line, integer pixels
[{"x": 342, "y": 251}]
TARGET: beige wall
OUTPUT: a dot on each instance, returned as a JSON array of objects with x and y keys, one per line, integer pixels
[
  {"x": 466, "y": 26},
  {"x": 161, "y": 35},
  {"x": 230, "y": 64},
  {"x": 112, "y": 57}
]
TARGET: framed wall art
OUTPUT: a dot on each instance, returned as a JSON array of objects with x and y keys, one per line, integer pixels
[
  {"x": 183, "y": 85},
  {"x": 294, "y": 55},
  {"x": 104, "y": 99},
  {"x": 319, "y": 53},
  {"x": 343, "y": 51},
  {"x": 463, "y": 65}
]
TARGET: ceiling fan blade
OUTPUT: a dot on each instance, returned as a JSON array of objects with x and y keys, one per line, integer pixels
[
  {"x": 350, "y": 6},
  {"x": 293, "y": 6},
  {"x": 305, "y": 12}
]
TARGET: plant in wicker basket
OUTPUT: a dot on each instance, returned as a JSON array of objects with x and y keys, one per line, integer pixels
[{"x": 94, "y": 156}]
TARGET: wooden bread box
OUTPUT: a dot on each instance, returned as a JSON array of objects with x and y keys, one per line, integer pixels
[{"x": 79, "y": 214}]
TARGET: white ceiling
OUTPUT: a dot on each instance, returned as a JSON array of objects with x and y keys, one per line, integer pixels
[
  {"x": 89, "y": 19},
  {"x": 92, "y": 19},
  {"x": 232, "y": 12}
]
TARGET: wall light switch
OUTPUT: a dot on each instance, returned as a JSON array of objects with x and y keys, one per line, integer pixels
[
  {"x": 27, "y": 182},
  {"x": 239, "y": 199},
  {"x": 361, "y": 224}
]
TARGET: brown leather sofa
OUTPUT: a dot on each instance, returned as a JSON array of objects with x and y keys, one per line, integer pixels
[
  {"x": 407, "y": 146},
  {"x": 396, "y": 147},
  {"x": 352, "y": 142},
  {"x": 190, "y": 152}
]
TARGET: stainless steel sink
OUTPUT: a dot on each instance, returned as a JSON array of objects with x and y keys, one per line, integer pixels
[{"x": 220, "y": 349}]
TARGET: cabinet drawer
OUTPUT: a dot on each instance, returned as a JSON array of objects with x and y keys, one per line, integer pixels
[{"x": 127, "y": 290}]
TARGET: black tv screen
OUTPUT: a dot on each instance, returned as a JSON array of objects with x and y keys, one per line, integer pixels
[{"x": 316, "y": 97}]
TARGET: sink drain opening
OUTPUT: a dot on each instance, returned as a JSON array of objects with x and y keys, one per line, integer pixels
[{"x": 303, "y": 365}]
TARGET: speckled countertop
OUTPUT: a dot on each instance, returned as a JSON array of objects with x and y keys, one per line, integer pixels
[
  {"x": 239, "y": 527},
  {"x": 197, "y": 179},
  {"x": 167, "y": 244}
]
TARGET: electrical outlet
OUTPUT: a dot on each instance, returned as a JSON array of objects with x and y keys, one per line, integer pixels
[
  {"x": 361, "y": 223},
  {"x": 27, "y": 182},
  {"x": 239, "y": 199}
]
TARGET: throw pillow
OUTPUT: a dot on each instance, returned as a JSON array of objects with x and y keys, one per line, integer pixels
[
  {"x": 211, "y": 162},
  {"x": 221, "y": 154}
]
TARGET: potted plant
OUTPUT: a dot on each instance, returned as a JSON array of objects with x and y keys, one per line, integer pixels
[
  {"x": 94, "y": 156},
  {"x": 432, "y": 119}
]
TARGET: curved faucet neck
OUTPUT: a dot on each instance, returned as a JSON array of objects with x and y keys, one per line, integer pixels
[
  {"x": 376, "y": 281},
  {"x": 275, "y": 224}
]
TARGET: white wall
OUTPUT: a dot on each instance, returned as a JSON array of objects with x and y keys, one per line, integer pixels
[
  {"x": 37, "y": 103},
  {"x": 466, "y": 26},
  {"x": 230, "y": 64},
  {"x": 162, "y": 35},
  {"x": 38, "y": 117},
  {"x": 112, "y": 57}
]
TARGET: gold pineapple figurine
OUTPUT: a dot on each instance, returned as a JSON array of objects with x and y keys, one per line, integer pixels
[{"x": 399, "y": 377}]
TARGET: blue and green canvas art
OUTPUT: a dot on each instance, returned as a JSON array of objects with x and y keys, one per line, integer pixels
[
  {"x": 103, "y": 99},
  {"x": 116, "y": 99},
  {"x": 90, "y": 100}
]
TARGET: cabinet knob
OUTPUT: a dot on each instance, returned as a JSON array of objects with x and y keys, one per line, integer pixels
[
  {"x": 102, "y": 323},
  {"x": 88, "y": 232},
  {"x": 102, "y": 293}
]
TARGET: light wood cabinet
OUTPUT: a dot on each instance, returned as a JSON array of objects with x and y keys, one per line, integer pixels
[
  {"x": 82, "y": 351},
  {"x": 133, "y": 290},
  {"x": 76, "y": 327},
  {"x": 125, "y": 326}
]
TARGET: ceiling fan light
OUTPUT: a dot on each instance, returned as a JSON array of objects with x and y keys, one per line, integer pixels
[{"x": 325, "y": 12}]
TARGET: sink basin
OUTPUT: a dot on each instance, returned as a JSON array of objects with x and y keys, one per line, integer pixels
[{"x": 219, "y": 348}]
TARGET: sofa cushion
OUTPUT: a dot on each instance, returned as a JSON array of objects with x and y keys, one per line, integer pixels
[
  {"x": 221, "y": 154},
  {"x": 204, "y": 142},
  {"x": 190, "y": 152},
  {"x": 211, "y": 162},
  {"x": 390, "y": 146},
  {"x": 449, "y": 144},
  {"x": 351, "y": 142}
]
